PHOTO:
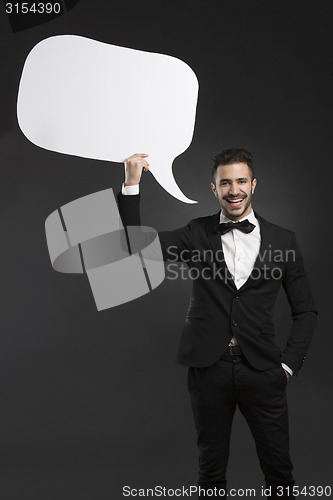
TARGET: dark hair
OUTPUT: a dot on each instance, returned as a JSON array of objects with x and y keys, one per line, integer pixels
[{"x": 233, "y": 155}]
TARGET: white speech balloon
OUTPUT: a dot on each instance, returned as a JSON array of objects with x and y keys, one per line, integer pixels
[{"x": 86, "y": 98}]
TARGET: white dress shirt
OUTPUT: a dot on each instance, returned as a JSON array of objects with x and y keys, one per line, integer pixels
[
  {"x": 240, "y": 253},
  {"x": 128, "y": 190},
  {"x": 240, "y": 250}
]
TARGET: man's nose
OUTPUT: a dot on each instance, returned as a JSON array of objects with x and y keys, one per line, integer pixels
[{"x": 233, "y": 188}]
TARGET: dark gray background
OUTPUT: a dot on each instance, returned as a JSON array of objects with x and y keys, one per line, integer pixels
[{"x": 91, "y": 401}]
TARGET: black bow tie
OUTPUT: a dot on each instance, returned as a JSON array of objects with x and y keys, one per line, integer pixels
[{"x": 245, "y": 226}]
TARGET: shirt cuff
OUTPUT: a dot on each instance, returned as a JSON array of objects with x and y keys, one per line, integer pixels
[
  {"x": 130, "y": 190},
  {"x": 289, "y": 370}
]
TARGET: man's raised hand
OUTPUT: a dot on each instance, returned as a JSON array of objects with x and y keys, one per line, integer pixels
[{"x": 133, "y": 168}]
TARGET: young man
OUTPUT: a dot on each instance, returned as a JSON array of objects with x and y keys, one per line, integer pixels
[{"x": 241, "y": 260}]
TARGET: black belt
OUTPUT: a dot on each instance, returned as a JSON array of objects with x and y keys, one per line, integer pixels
[{"x": 232, "y": 352}]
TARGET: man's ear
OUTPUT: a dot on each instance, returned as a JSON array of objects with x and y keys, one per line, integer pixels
[
  {"x": 212, "y": 185},
  {"x": 254, "y": 183}
]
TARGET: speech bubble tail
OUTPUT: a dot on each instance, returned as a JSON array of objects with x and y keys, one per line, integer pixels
[{"x": 164, "y": 176}]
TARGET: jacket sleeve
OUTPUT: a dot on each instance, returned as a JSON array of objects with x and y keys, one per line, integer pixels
[
  {"x": 303, "y": 310},
  {"x": 175, "y": 244}
]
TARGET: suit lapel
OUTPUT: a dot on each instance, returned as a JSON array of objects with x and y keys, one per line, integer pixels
[{"x": 216, "y": 244}]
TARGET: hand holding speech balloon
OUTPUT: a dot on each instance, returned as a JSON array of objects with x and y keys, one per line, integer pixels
[{"x": 82, "y": 97}]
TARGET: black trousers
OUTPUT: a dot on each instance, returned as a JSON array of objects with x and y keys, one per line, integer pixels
[{"x": 215, "y": 391}]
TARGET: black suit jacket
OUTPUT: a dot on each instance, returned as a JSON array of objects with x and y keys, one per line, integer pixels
[{"x": 218, "y": 311}]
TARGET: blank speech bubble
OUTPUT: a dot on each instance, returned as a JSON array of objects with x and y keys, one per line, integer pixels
[{"x": 87, "y": 98}]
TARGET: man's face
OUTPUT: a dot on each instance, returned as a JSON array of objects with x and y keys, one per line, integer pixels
[{"x": 234, "y": 189}]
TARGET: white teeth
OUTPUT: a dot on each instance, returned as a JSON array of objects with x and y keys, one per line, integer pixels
[{"x": 235, "y": 201}]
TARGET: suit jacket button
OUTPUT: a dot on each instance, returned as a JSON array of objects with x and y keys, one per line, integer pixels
[{"x": 234, "y": 322}]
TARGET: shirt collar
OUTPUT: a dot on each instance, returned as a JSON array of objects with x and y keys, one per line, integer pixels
[{"x": 251, "y": 218}]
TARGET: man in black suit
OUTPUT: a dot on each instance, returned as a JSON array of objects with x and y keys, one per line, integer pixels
[{"x": 240, "y": 261}]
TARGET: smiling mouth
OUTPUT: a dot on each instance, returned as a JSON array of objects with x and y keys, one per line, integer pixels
[{"x": 234, "y": 201}]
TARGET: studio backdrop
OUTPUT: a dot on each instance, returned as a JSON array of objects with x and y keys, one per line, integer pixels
[{"x": 92, "y": 402}]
